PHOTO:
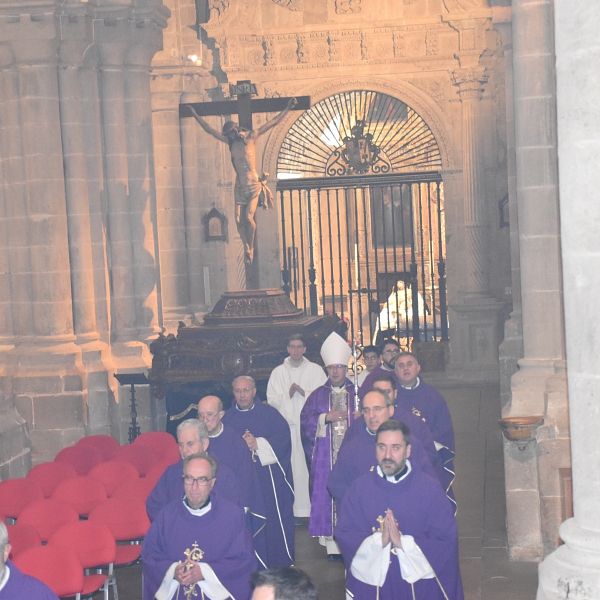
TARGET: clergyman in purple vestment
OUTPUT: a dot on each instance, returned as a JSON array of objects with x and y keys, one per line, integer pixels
[
  {"x": 426, "y": 403},
  {"x": 397, "y": 530},
  {"x": 268, "y": 439},
  {"x": 388, "y": 384},
  {"x": 389, "y": 350},
  {"x": 325, "y": 418},
  {"x": 230, "y": 449},
  {"x": 15, "y": 585},
  {"x": 357, "y": 456},
  {"x": 200, "y": 542}
]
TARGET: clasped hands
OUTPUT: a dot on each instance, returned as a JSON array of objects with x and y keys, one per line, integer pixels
[
  {"x": 296, "y": 388},
  {"x": 390, "y": 532},
  {"x": 335, "y": 415},
  {"x": 188, "y": 572}
]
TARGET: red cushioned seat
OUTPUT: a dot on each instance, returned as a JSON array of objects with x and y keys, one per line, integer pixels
[
  {"x": 82, "y": 458},
  {"x": 17, "y": 493},
  {"x": 112, "y": 473},
  {"x": 104, "y": 445},
  {"x": 49, "y": 474},
  {"x": 83, "y": 493}
]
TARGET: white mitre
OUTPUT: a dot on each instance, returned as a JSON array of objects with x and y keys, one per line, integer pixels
[{"x": 335, "y": 350}]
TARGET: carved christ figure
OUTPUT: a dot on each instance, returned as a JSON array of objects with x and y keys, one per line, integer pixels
[{"x": 250, "y": 190}]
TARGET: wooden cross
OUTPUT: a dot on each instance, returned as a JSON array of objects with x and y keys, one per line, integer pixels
[{"x": 244, "y": 106}]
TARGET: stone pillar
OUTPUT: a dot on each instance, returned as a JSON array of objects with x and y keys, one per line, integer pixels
[
  {"x": 142, "y": 191},
  {"x": 475, "y": 335},
  {"x": 170, "y": 206},
  {"x": 44, "y": 369},
  {"x": 573, "y": 570},
  {"x": 538, "y": 388}
]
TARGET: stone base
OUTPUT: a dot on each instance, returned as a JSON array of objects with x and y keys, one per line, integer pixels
[
  {"x": 15, "y": 445},
  {"x": 572, "y": 570},
  {"x": 474, "y": 340}
]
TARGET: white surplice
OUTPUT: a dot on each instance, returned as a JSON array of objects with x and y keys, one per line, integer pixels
[{"x": 309, "y": 377}]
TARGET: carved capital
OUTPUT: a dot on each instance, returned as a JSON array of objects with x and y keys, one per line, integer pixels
[{"x": 470, "y": 82}]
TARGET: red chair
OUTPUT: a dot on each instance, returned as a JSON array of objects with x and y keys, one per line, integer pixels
[
  {"x": 155, "y": 472},
  {"x": 58, "y": 567},
  {"x": 48, "y": 475},
  {"x": 135, "y": 489},
  {"x": 163, "y": 443},
  {"x": 141, "y": 456},
  {"x": 96, "y": 549},
  {"x": 15, "y": 494},
  {"x": 84, "y": 459},
  {"x": 128, "y": 521},
  {"x": 112, "y": 473},
  {"x": 21, "y": 538},
  {"x": 47, "y": 515},
  {"x": 83, "y": 493},
  {"x": 104, "y": 445}
]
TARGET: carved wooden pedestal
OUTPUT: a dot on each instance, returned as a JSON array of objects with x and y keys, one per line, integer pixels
[{"x": 245, "y": 334}]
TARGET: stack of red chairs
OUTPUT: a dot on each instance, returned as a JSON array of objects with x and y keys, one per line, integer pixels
[{"x": 97, "y": 479}]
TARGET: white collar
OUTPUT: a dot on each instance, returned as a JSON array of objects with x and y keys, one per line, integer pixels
[
  {"x": 198, "y": 512},
  {"x": 392, "y": 478},
  {"x": 369, "y": 431},
  {"x": 245, "y": 409},
  {"x": 220, "y": 431},
  {"x": 414, "y": 386},
  {"x": 288, "y": 363},
  {"x": 338, "y": 389},
  {"x": 5, "y": 576}
]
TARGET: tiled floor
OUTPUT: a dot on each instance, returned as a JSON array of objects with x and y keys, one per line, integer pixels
[{"x": 486, "y": 571}]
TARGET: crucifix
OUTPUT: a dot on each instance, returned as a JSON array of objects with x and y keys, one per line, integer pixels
[{"x": 251, "y": 190}]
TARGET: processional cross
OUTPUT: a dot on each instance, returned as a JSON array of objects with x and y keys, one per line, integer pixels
[{"x": 250, "y": 188}]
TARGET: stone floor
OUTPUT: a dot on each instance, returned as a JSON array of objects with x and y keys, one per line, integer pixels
[{"x": 486, "y": 571}]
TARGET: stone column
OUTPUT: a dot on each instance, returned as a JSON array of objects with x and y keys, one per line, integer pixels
[
  {"x": 573, "y": 570},
  {"x": 533, "y": 487},
  {"x": 511, "y": 348},
  {"x": 475, "y": 338},
  {"x": 112, "y": 48},
  {"x": 142, "y": 191},
  {"x": 170, "y": 206}
]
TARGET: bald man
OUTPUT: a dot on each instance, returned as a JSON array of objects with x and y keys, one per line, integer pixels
[{"x": 267, "y": 437}]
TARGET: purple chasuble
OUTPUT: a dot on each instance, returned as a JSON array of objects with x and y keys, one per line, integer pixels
[
  {"x": 427, "y": 404},
  {"x": 169, "y": 488},
  {"x": 422, "y": 510},
  {"x": 221, "y": 534},
  {"x": 320, "y": 456},
  {"x": 276, "y": 482},
  {"x": 231, "y": 450},
  {"x": 418, "y": 429},
  {"x": 24, "y": 587},
  {"x": 357, "y": 457},
  {"x": 368, "y": 382}
]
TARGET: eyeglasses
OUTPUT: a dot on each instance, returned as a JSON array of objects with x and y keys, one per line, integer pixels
[
  {"x": 243, "y": 391},
  {"x": 388, "y": 352},
  {"x": 189, "y": 480},
  {"x": 375, "y": 409},
  {"x": 207, "y": 415}
]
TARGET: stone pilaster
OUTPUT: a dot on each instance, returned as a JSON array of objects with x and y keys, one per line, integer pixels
[
  {"x": 475, "y": 336},
  {"x": 540, "y": 381},
  {"x": 573, "y": 570}
]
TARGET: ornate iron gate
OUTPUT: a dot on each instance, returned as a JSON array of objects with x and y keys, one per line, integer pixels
[{"x": 362, "y": 218}]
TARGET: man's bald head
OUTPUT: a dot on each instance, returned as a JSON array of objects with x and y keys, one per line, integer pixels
[{"x": 210, "y": 412}]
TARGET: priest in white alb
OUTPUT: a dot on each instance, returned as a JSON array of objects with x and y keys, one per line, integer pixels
[{"x": 289, "y": 386}]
